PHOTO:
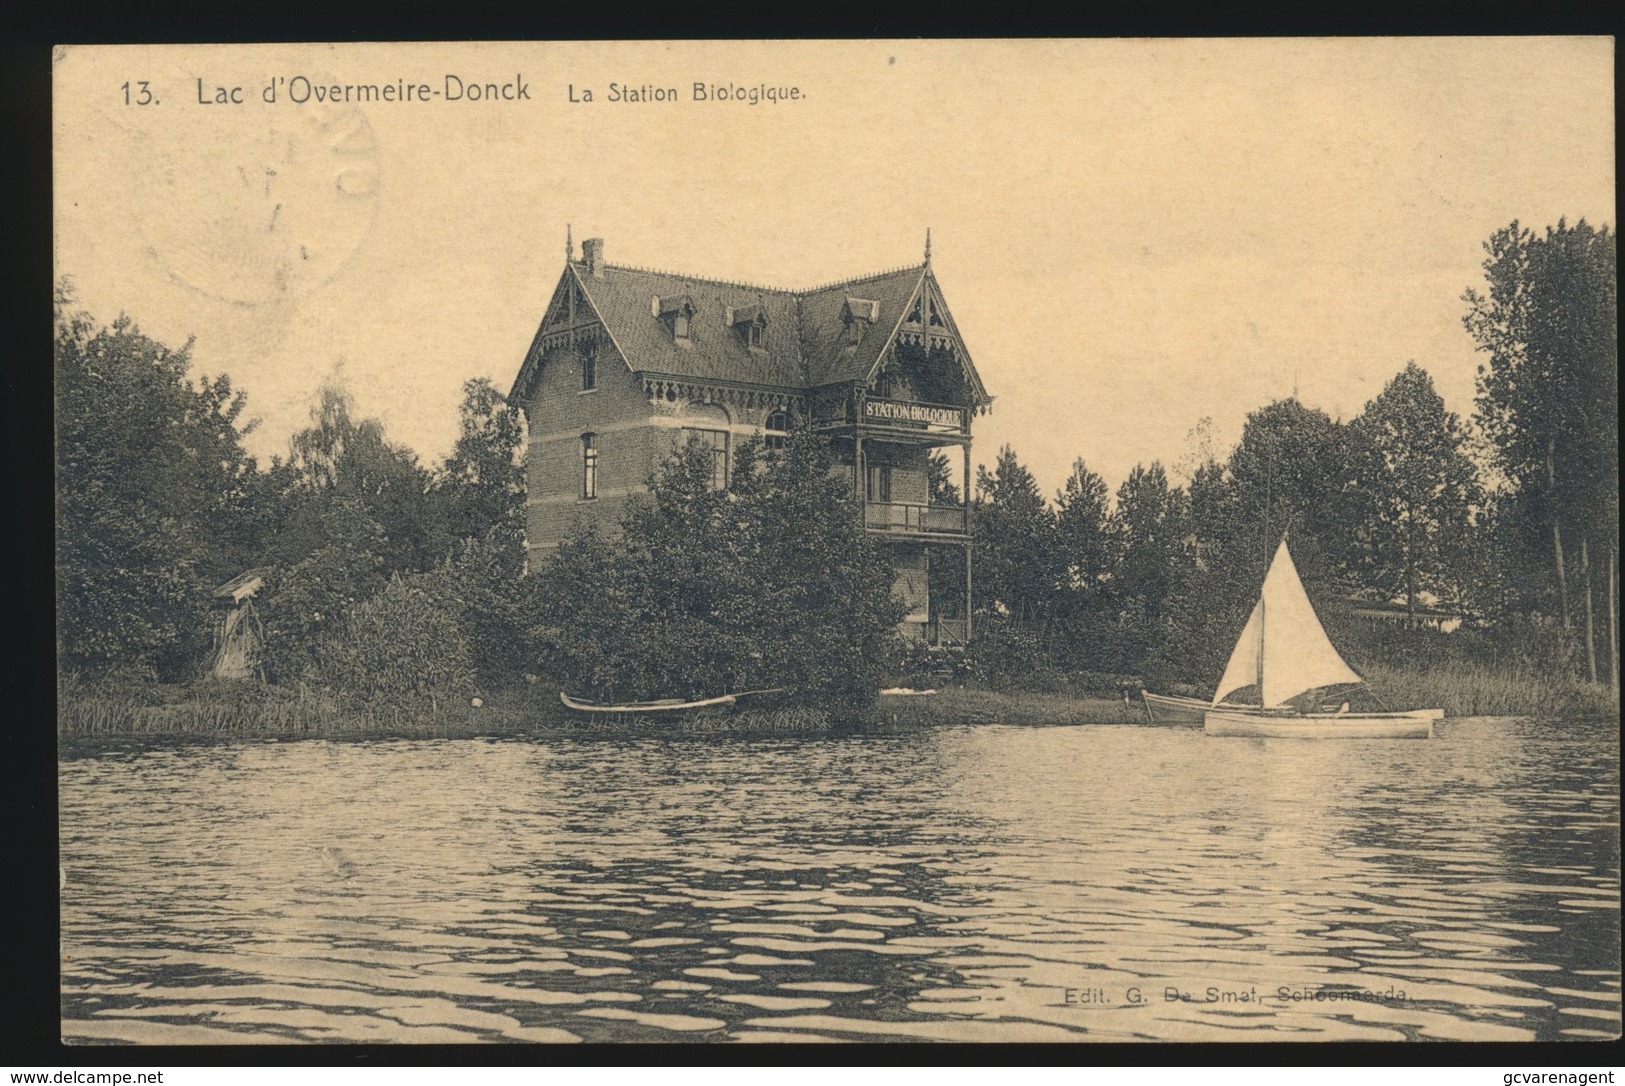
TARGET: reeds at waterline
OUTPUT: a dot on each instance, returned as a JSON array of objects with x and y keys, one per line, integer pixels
[
  {"x": 1469, "y": 690},
  {"x": 103, "y": 713},
  {"x": 87, "y": 712}
]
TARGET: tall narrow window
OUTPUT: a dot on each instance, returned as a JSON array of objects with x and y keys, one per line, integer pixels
[
  {"x": 880, "y": 482},
  {"x": 589, "y": 465},
  {"x": 589, "y": 367},
  {"x": 717, "y": 442},
  {"x": 777, "y": 429}
]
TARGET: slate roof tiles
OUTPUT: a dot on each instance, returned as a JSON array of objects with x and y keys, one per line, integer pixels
[{"x": 805, "y": 344}]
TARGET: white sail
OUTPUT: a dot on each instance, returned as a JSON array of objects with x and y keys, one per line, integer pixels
[{"x": 1283, "y": 649}]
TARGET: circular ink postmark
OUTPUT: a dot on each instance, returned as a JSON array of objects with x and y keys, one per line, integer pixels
[{"x": 261, "y": 203}]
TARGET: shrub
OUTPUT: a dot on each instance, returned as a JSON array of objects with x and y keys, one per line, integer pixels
[
  {"x": 772, "y": 582},
  {"x": 399, "y": 647}
]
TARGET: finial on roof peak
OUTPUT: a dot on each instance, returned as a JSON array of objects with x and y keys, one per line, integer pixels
[
  {"x": 928, "y": 245},
  {"x": 569, "y": 245}
]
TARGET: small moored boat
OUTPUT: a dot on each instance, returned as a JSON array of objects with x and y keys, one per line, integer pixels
[
  {"x": 664, "y": 705},
  {"x": 1169, "y": 707},
  {"x": 1284, "y": 652}
]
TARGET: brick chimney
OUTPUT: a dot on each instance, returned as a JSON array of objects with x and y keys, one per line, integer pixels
[{"x": 592, "y": 254}]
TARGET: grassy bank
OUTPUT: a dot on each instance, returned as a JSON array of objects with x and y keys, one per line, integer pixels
[
  {"x": 223, "y": 711},
  {"x": 968, "y": 705},
  {"x": 87, "y": 713},
  {"x": 1466, "y": 690},
  {"x": 271, "y": 712}
]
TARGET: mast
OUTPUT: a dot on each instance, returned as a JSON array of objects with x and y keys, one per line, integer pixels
[{"x": 1261, "y": 616}]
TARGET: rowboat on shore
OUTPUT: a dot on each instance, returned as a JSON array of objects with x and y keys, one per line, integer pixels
[
  {"x": 1284, "y": 654},
  {"x": 663, "y": 705}
]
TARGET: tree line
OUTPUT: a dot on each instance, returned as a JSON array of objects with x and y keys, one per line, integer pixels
[
  {"x": 387, "y": 576},
  {"x": 1511, "y": 522}
]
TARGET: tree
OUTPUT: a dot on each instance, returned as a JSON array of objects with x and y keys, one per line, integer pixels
[
  {"x": 1082, "y": 530},
  {"x": 1148, "y": 530},
  {"x": 1086, "y": 557},
  {"x": 1290, "y": 475},
  {"x": 939, "y": 481},
  {"x": 945, "y": 563},
  {"x": 152, "y": 487},
  {"x": 772, "y": 582},
  {"x": 1287, "y": 474},
  {"x": 401, "y": 646},
  {"x": 339, "y": 458},
  {"x": 1015, "y": 553},
  {"x": 479, "y": 491},
  {"x": 308, "y": 600},
  {"x": 1548, "y": 394},
  {"x": 1208, "y": 593},
  {"x": 1417, "y": 488}
]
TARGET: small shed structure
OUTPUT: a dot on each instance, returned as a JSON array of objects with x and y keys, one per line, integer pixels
[{"x": 238, "y": 632}]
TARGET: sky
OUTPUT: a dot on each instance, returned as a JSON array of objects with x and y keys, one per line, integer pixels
[{"x": 1133, "y": 235}]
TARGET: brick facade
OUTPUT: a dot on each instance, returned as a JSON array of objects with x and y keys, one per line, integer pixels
[{"x": 667, "y": 356}]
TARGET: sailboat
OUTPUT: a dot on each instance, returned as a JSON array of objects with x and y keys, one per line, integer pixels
[{"x": 1283, "y": 650}]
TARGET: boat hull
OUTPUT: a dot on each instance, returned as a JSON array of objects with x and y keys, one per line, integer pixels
[
  {"x": 1256, "y": 725},
  {"x": 673, "y": 706},
  {"x": 1167, "y": 707}
]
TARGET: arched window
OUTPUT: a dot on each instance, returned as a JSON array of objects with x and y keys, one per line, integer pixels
[
  {"x": 777, "y": 429},
  {"x": 589, "y": 466}
]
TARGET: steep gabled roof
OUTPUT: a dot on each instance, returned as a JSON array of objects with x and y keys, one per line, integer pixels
[
  {"x": 831, "y": 357},
  {"x": 625, "y": 299},
  {"x": 806, "y": 342}
]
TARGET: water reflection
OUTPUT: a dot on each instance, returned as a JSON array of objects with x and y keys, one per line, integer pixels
[{"x": 978, "y": 883}]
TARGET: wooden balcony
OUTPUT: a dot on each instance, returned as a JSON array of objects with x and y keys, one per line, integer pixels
[{"x": 910, "y": 519}]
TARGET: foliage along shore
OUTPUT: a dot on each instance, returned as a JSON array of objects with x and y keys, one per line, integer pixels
[
  {"x": 386, "y": 585},
  {"x": 88, "y": 714}
]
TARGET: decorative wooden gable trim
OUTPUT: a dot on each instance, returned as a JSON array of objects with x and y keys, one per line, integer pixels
[
  {"x": 668, "y": 389},
  {"x": 572, "y": 320},
  {"x": 926, "y": 322}
]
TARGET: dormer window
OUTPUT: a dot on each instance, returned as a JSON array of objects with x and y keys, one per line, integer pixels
[
  {"x": 678, "y": 313},
  {"x": 858, "y": 314},
  {"x": 751, "y": 324}
]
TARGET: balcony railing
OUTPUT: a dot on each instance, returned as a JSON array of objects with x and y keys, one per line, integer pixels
[
  {"x": 915, "y": 519},
  {"x": 896, "y": 415}
]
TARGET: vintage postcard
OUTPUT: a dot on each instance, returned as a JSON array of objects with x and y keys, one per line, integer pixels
[{"x": 905, "y": 541}]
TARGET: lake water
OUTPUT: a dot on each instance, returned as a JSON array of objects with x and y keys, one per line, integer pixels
[{"x": 978, "y": 883}]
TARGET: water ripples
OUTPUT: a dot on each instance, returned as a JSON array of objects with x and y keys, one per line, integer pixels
[{"x": 966, "y": 884}]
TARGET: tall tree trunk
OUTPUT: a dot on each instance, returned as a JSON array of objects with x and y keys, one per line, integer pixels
[
  {"x": 1613, "y": 617},
  {"x": 1557, "y": 532},
  {"x": 1410, "y": 571},
  {"x": 1591, "y": 641}
]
